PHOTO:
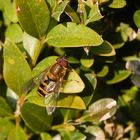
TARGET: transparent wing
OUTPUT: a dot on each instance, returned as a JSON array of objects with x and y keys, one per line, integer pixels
[
  {"x": 51, "y": 102},
  {"x": 34, "y": 82},
  {"x": 52, "y": 97},
  {"x": 37, "y": 79}
]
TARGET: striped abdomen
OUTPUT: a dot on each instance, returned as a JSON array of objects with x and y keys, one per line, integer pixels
[{"x": 46, "y": 87}]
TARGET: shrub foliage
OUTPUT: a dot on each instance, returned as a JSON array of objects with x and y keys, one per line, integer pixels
[{"x": 99, "y": 97}]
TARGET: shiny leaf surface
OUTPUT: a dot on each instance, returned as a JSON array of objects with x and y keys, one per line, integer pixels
[
  {"x": 102, "y": 109},
  {"x": 38, "y": 13},
  {"x": 72, "y": 35},
  {"x": 16, "y": 70}
]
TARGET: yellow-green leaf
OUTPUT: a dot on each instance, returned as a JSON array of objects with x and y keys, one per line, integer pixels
[
  {"x": 73, "y": 35},
  {"x": 34, "y": 16},
  {"x": 16, "y": 69},
  {"x": 17, "y": 133}
]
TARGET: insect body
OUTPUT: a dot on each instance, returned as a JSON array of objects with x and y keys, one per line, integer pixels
[{"x": 51, "y": 82}]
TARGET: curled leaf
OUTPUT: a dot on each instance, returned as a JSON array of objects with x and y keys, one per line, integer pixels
[{"x": 102, "y": 109}]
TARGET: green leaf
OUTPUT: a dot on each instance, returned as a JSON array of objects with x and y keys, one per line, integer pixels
[
  {"x": 16, "y": 70},
  {"x": 6, "y": 127},
  {"x": 103, "y": 72},
  {"x": 34, "y": 98},
  {"x": 10, "y": 11},
  {"x": 119, "y": 75},
  {"x": 59, "y": 9},
  {"x": 17, "y": 133},
  {"x": 73, "y": 35},
  {"x": 5, "y": 109},
  {"x": 87, "y": 60},
  {"x": 72, "y": 135},
  {"x": 73, "y": 83},
  {"x": 136, "y": 18},
  {"x": 117, "y": 4},
  {"x": 103, "y": 1},
  {"x": 35, "y": 117},
  {"x": 14, "y": 32},
  {"x": 94, "y": 132},
  {"x": 69, "y": 101},
  {"x": 1, "y": 5},
  {"x": 88, "y": 92},
  {"x": 130, "y": 94},
  {"x": 105, "y": 49},
  {"x": 102, "y": 109},
  {"x": 6, "y": 20},
  {"x": 73, "y": 60},
  {"x": 94, "y": 14},
  {"x": 31, "y": 45},
  {"x": 64, "y": 100},
  {"x": 72, "y": 14},
  {"x": 38, "y": 13},
  {"x": 45, "y": 136},
  {"x": 52, "y": 4},
  {"x": 126, "y": 31}
]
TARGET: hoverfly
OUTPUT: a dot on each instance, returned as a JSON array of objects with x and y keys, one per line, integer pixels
[{"x": 50, "y": 81}]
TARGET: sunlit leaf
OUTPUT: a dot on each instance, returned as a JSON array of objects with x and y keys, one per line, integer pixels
[
  {"x": 103, "y": 72},
  {"x": 52, "y": 4},
  {"x": 136, "y": 18},
  {"x": 64, "y": 100},
  {"x": 69, "y": 101},
  {"x": 117, "y": 4},
  {"x": 31, "y": 45},
  {"x": 87, "y": 60},
  {"x": 45, "y": 136},
  {"x": 17, "y": 133},
  {"x": 94, "y": 14},
  {"x": 70, "y": 135},
  {"x": 126, "y": 31},
  {"x": 38, "y": 13},
  {"x": 73, "y": 83},
  {"x": 102, "y": 109},
  {"x": 72, "y": 35},
  {"x": 16, "y": 70},
  {"x": 119, "y": 75},
  {"x": 59, "y": 9},
  {"x": 35, "y": 117},
  {"x": 10, "y": 11},
  {"x": 14, "y": 32}
]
